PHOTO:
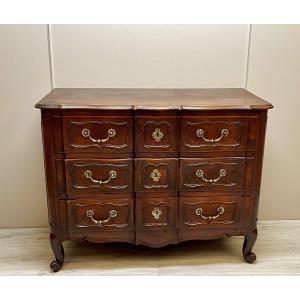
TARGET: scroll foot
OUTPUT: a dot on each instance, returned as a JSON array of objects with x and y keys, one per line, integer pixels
[
  {"x": 58, "y": 251},
  {"x": 56, "y": 265},
  {"x": 249, "y": 241}
]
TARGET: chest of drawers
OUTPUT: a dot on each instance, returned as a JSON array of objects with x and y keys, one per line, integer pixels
[{"x": 152, "y": 166}]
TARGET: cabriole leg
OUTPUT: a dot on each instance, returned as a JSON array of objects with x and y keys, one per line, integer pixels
[
  {"x": 249, "y": 241},
  {"x": 58, "y": 251}
]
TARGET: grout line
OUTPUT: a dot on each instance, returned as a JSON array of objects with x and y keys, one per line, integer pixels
[
  {"x": 50, "y": 55},
  {"x": 247, "y": 56}
]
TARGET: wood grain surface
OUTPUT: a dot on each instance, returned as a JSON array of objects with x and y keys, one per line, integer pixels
[
  {"x": 129, "y": 142},
  {"x": 94, "y": 98}
]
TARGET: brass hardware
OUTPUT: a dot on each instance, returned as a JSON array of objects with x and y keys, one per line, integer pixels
[
  {"x": 200, "y": 133},
  {"x": 200, "y": 173},
  {"x": 88, "y": 174},
  {"x": 155, "y": 175},
  {"x": 199, "y": 211},
  {"x": 87, "y": 134},
  {"x": 90, "y": 214},
  {"x": 157, "y": 135},
  {"x": 156, "y": 213}
]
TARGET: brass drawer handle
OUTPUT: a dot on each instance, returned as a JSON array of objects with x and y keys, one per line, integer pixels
[
  {"x": 87, "y": 134},
  {"x": 200, "y": 133},
  {"x": 199, "y": 212},
  {"x": 200, "y": 173},
  {"x": 88, "y": 174},
  {"x": 156, "y": 213},
  {"x": 90, "y": 214},
  {"x": 155, "y": 175},
  {"x": 157, "y": 134}
]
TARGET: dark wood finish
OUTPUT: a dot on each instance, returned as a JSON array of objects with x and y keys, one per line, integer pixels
[
  {"x": 213, "y": 128},
  {"x": 165, "y": 218},
  {"x": 154, "y": 159},
  {"x": 156, "y": 221},
  {"x": 249, "y": 241},
  {"x": 79, "y": 222},
  {"x": 231, "y": 217},
  {"x": 155, "y": 134},
  {"x": 116, "y": 99},
  {"x": 156, "y": 175},
  {"x": 58, "y": 251},
  {"x": 98, "y": 129},
  {"x": 232, "y": 178},
  {"x": 77, "y": 171},
  {"x": 118, "y": 229}
]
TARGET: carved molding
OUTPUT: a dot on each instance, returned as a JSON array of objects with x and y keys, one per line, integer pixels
[
  {"x": 203, "y": 183},
  {"x": 102, "y": 205},
  {"x": 228, "y": 233},
  {"x": 156, "y": 224},
  {"x": 110, "y": 186},
  {"x": 125, "y": 125},
  {"x": 221, "y": 144},
  {"x": 156, "y": 186},
  {"x": 161, "y": 145},
  {"x": 216, "y": 221},
  {"x": 94, "y": 237}
]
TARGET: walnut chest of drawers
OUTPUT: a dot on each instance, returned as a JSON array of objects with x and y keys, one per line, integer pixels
[{"x": 152, "y": 166}]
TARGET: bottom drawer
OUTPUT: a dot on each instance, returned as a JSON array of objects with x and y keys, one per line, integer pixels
[
  {"x": 213, "y": 217},
  {"x": 101, "y": 219},
  {"x": 212, "y": 212},
  {"x": 156, "y": 221}
]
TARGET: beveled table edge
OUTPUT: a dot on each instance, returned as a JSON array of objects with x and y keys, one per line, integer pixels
[{"x": 131, "y": 107}]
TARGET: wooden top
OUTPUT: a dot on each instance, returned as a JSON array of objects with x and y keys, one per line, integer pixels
[{"x": 188, "y": 99}]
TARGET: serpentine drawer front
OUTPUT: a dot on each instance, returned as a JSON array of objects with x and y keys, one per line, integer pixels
[
  {"x": 214, "y": 174},
  {"x": 156, "y": 134},
  {"x": 152, "y": 166},
  {"x": 89, "y": 177},
  {"x": 156, "y": 175},
  {"x": 213, "y": 133},
  {"x": 95, "y": 134}
]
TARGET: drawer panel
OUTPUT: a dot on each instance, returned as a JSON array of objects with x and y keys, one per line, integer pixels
[
  {"x": 100, "y": 214},
  {"x": 212, "y": 212},
  {"x": 156, "y": 175},
  {"x": 156, "y": 213},
  {"x": 91, "y": 177},
  {"x": 156, "y": 221},
  {"x": 97, "y": 134},
  {"x": 213, "y": 133},
  {"x": 156, "y": 134},
  {"x": 212, "y": 174}
]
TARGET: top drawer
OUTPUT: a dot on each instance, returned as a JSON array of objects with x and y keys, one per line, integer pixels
[
  {"x": 213, "y": 133},
  {"x": 156, "y": 134},
  {"x": 95, "y": 134}
]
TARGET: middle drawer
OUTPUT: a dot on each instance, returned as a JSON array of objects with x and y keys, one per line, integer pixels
[
  {"x": 224, "y": 174},
  {"x": 89, "y": 177},
  {"x": 156, "y": 175}
]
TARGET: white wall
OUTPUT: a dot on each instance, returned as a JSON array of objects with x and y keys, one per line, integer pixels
[
  {"x": 274, "y": 74},
  {"x": 149, "y": 55},
  {"x": 144, "y": 56},
  {"x": 24, "y": 79}
]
